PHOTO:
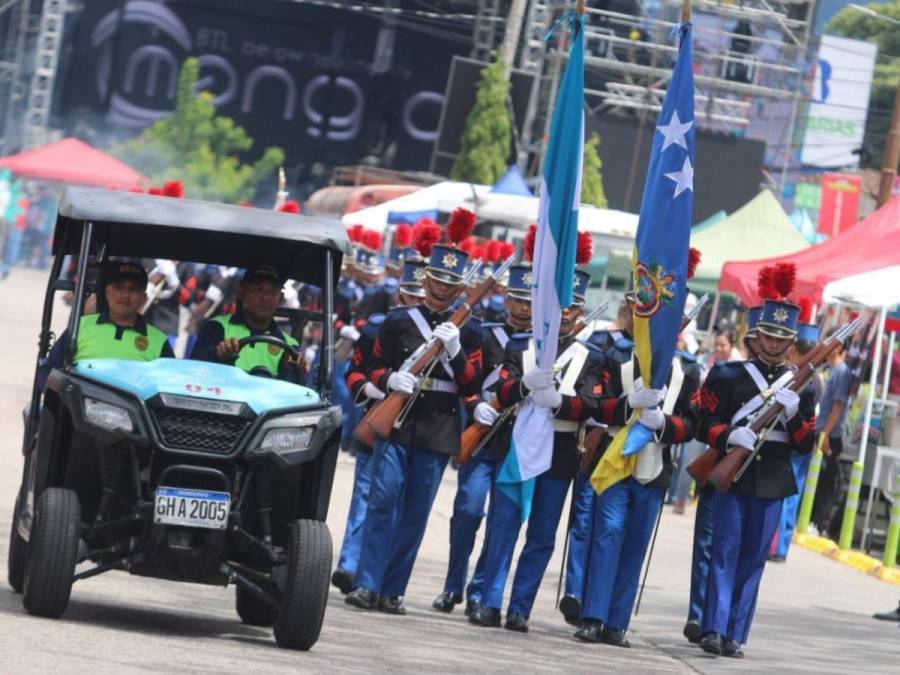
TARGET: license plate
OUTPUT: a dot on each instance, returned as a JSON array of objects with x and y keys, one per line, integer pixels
[{"x": 191, "y": 508}]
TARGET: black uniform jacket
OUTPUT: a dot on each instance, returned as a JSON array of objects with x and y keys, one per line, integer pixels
[
  {"x": 588, "y": 390},
  {"x": 727, "y": 388},
  {"x": 434, "y": 422},
  {"x": 679, "y": 427},
  {"x": 360, "y": 359}
]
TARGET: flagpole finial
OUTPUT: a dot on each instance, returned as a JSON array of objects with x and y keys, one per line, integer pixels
[
  {"x": 579, "y": 8},
  {"x": 685, "y": 11}
]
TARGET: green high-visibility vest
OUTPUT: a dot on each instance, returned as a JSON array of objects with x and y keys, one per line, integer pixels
[
  {"x": 97, "y": 340},
  {"x": 259, "y": 355}
]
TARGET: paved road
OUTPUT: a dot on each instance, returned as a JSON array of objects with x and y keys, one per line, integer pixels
[{"x": 813, "y": 613}]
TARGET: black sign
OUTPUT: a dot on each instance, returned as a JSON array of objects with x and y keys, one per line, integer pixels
[{"x": 295, "y": 75}]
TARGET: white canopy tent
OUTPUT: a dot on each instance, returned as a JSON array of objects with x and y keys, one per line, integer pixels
[{"x": 877, "y": 289}]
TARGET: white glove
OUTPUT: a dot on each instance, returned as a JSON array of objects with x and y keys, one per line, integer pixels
[
  {"x": 348, "y": 332},
  {"x": 167, "y": 269},
  {"x": 547, "y": 397},
  {"x": 485, "y": 414},
  {"x": 790, "y": 400},
  {"x": 402, "y": 381},
  {"x": 646, "y": 398},
  {"x": 373, "y": 392},
  {"x": 539, "y": 378},
  {"x": 449, "y": 335},
  {"x": 652, "y": 418},
  {"x": 742, "y": 437}
]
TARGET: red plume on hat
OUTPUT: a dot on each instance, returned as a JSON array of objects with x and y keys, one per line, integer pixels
[
  {"x": 290, "y": 206},
  {"x": 248, "y": 204},
  {"x": 479, "y": 252},
  {"x": 783, "y": 278},
  {"x": 155, "y": 191},
  {"x": 372, "y": 240},
  {"x": 426, "y": 234},
  {"x": 492, "y": 251},
  {"x": 507, "y": 248},
  {"x": 173, "y": 188},
  {"x": 765, "y": 283},
  {"x": 528, "y": 243},
  {"x": 694, "y": 257},
  {"x": 402, "y": 236},
  {"x": 467, "y": 245},
  {"x": 460, "y": 225},
  {"x": 584, "y": 251},
  {"x": 355, "y": 232},
  {"x": 806, "y": 306}
]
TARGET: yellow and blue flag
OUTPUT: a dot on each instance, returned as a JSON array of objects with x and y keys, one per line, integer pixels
[
  {"x": 660, "y": 256},
  {"x": 531, "y": 449}
]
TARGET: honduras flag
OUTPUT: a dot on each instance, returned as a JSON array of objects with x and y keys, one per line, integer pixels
[
  {"x": 660, "y": 257},
  {"x": 531, "y": 450}
]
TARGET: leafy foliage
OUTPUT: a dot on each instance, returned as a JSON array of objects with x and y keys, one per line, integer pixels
[
  {"x": 487, "y": 139},
  {"x": 199, "y": 148},
  {"x": 591, "y": 178}
]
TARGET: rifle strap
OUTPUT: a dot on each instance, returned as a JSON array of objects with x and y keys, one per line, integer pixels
[
  {"x": 426, "y": 332},
  {"x": 765, "y": 391}
]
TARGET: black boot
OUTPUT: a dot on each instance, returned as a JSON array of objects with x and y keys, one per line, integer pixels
[
  {"x": 570, "y": 607},
  {"x": 616, "y": 638},
  {"x": 485, "y": 616},
  {"x": 392, "y": 606},
  {"x": 362, "y": 598},
  {"x": 342, "y": 580},
  {"x": 893, "y": 615},
  {"x": 516, "y": 622},
  {"x": 472, "y": 606},
  {"x": 732, "y": 649},
  {"x": 693, "y": 631},
  {"x": 446, "y": 601},
  {"x": 711, "y": 643},
  {"x": 590, "y": 630}
]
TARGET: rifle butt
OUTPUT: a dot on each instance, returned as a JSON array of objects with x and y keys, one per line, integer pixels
[
  {"x": 723, "y": 474},
  {"x": 701, "y": 467},
  {"x": 378, "y": 422},
  {"x": 471, "y": 438},
  {"x": 591, "y": 444}
]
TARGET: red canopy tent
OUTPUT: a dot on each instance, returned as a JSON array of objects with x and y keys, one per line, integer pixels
[
  {"x": 871, "y": 244},
  {"x": 75, "y": 162}
]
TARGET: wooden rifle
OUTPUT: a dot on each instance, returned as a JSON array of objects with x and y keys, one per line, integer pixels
[
  {"x": 595, "y": 435},
  {"x": 477, "y": 435},
  {"x": 723, "y": 471},
  {"x": 389, "y": 413}
]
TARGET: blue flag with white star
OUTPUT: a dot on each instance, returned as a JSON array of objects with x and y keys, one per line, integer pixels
[{"x": 660, "y": 256}]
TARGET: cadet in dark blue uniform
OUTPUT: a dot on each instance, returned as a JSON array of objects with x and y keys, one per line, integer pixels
[
  {"x": 747, "y": 515},
  {"x": 625, "y": 513},
  {"x": 575, "y": 400},
  {"x": 409, "y": 466},
  {"x": 363, "y": 393},
  {"x": 476, "y": 477}
]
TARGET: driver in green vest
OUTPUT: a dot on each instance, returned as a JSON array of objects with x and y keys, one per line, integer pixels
[
  {"x": 118, "y": 331},
  {"x": 258, "y": 296}
]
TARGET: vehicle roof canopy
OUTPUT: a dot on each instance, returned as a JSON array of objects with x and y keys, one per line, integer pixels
[{"x": 149, "y": 226}]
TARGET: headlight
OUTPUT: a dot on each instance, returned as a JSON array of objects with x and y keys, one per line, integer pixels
[
  {"x": 286, "y": 439},
  {"x": 107, "y": 416}
]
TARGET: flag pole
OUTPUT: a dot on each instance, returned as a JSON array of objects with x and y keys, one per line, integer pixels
[
  {"x": 685, "y": 11},
  {"x": 579, "y": 8}
]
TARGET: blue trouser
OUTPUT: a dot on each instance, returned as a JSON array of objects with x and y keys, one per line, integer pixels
[
  {"x": 404, "y": 484},
  {"x": 703, "y": 541},
  {"x": 742, "y": 532},
  {"x": 12, "y": 248},
  {"x": 791, "y": 508},
  {"x": 356, "y": 518},
  {"x": 546, "y": 510},
  {"x": 341, "y": 395},
  {"x": 580, "y": 534},
  {"x": 474, "y": 482},
  {"x": 624, "y": 516}
]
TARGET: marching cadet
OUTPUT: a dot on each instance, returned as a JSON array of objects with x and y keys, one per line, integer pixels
[
  {"x": 408, "y": 467},
  {"x": 745, "y": 517},
  {"x": 703, "y": 519},
  {"x": 363, "y": 393},
  {"x": 574, "y": 400},
  {"x": 476, "y": 477},
  {"x": 624, "y": 513},
  {"x": 583, "y": 495}
]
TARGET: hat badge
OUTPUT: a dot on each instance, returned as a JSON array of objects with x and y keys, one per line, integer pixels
[
  {"x": 419, "y": 273},
  {"x": 528, "y": 278},
  {"x": 780, "y": 315},
  {"x": 450, "y": 261}
]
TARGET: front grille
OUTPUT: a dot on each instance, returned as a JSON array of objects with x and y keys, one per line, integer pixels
[{"x": 199, "y": 431}]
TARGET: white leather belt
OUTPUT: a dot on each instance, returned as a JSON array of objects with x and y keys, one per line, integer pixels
[
  {"x": 432, "y": 384},
  {"x": 777, "y": 436},
  {"x": 565, "y": 426}
]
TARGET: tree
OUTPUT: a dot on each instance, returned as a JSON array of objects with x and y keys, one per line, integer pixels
[
  {"x": 487, "y": 139},
  {"x": 852, "y": 23},
  {"x": 591, "y": 179},
  {"x": 199, "y": 148}
]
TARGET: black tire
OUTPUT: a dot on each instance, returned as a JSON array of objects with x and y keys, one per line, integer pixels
[
  {"x": 52, "y": 553},
  {"x": 18, "y": 550},
  {"x": 252, "y": 610},
  {"x": 309, "y": 565}
]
